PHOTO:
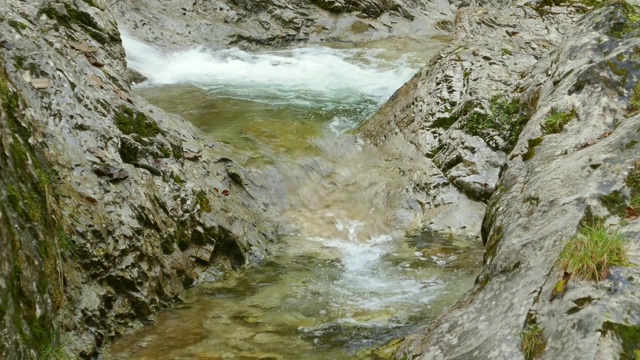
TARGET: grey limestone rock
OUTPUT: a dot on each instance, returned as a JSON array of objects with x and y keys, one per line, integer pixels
[
  {"x": 551, "y": 180},
  {"x": 138, "y": 201},
  {"x": 179, "y": 24}
]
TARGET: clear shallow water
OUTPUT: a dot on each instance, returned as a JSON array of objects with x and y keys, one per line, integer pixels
[{"x": 345, "y": 279}]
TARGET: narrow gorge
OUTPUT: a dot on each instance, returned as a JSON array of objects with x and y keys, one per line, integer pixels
[{"x": 272, "y": 179}]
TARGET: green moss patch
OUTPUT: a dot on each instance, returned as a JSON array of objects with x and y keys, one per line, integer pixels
[
  {"x": 633, "y": 183},
  {"x": 628, "y": 22},
  {"x": 129, "y": 151},
  {"x": 28, "y": 211},
  {"x": 506, "y": 117},
  {"x": 615, "y": 203},
  {"x": 17, "y": 26},
  {"x": 594, "y": 249},
  {"x": 81, "y": 18},
  {"x": 130, "y": 121},
  {"x": 203, "y": 201},
  {"x": 629, "y": 335},
  {"x": 634, "y": 101},
  {"x": 531, "y": 150},
  {"x": 557, "y": 120}
]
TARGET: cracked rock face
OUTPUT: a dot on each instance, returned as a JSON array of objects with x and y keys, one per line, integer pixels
[
  {"x": 459, "y": 114},
  {"x": 543, "y": 181},
  {"x": 143, "y": 202},
  {"x": 179, "y": 24}
]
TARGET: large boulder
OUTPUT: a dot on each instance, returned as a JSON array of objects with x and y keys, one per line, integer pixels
[
  {"x": 128, "y": 204},
  {"x": 460, "y": 113},
  {"x": 553, "y": 181}
]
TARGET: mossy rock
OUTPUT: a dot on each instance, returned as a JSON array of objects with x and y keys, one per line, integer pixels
[
  {"x": 130, "y": 121},
  {"x": 83, "y": 19},
  {"x": 557, "y": 120},
  {"x": 531, "y": 150},
  {"x": 629, "y": 335},
  {"x": 506, "y": 117},
  {"x": 28, "y": 213},
  {"x": 625, "y": 19}
]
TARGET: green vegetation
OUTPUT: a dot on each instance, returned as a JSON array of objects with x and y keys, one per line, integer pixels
[
  {"x": 177, "y": 151},
  {"x": 531, "y": 150},
  {"x": 533, "y": 341},
  {"x": 506, "y": 116},
  {"x": 66, "y": 244},
  {"x": 203, "y": 201},
  {"x": 17, "y": 26},
  {"x": 621, "y": 28},
  {"x": 630, "y": 337},
  {"x": 615, "y": 203},
  {"x": 53, "y": 350},
  {"x": 619, "y": 70},
  {"x": 593, "y": 250},
  {"x": 507, "y": 52},
  {"x": 130, "y": 121},
  {"x": 81, "y": 18},
  {"x": 28, "y": 212},
  {"x": 557, "y": 120},
  {"x": 165, "y": 151},
  {"x": 634, "y": 101},
  {"x": 492, "y": 243},
  {"x": 129, "y": 151},
  {"x": 633, "y": 183},
  {"x": 176, "y": 179},
  {"x": 19, "y": 61}
]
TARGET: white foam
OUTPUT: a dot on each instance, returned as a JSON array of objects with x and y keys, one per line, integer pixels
[
  {"x": 302, "y": 75},
  {"x": 368, "y": 281}
]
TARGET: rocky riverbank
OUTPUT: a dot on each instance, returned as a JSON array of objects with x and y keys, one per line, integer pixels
[
  {"x": 534, "y": 108},
  {"x": 110, "y": 206}
]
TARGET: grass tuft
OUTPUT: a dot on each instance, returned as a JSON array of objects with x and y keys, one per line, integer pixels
[
  {"x": 533, "y": 341},
  {"x": 557, "y": 120},
  {"x": 594, "y": 249},
  {"x": 633, "y": 182},
  {"x": 634, "y": 101}
]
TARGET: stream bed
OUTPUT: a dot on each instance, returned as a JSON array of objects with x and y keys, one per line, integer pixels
[{"x": 345, "y": 279}]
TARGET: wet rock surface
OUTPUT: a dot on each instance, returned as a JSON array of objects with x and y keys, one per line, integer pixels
[
  {"x": 139, "y": 203},
  {"x": 114, "y": 206},
  {"x": 179, "y": 24},
  {"x": 527, "y": 65},
  {"x": 459, "y": 114}
]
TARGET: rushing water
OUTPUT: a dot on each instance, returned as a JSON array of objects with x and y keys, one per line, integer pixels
[{"x": 345, "y": 279}]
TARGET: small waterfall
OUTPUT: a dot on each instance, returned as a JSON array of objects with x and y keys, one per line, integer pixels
[
  {"x": 345, "y": 278},
  {"x": 306, "y": 76}
]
